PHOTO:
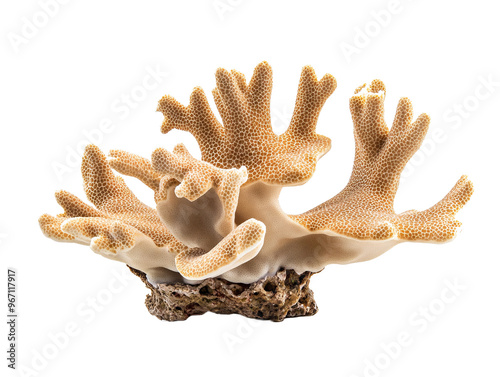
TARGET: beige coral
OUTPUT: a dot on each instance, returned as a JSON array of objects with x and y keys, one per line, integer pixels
[
  {"x": 124, "y": 229},
  {"x": 365, "y": 208},
  {"x": 247, "y": 138},
  {"x": 220, "y": 217},
  {"x": 197, "y": 177}
]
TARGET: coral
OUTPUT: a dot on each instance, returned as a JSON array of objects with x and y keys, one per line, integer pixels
[
  {"x": 218, "y": 223},
  {"x": 247, "y": 138}
]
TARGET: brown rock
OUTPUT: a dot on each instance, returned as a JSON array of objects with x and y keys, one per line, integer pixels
[{"x": 283, "y": 295}]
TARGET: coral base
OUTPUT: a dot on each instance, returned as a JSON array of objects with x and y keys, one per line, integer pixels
[{"x": 283, "y": 295}]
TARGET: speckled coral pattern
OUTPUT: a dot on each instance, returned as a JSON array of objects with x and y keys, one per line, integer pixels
[
  {"x": 142, "y": 169},
  {"x": 246, "y": 137},
  {"x": 136, "y": 166},
  {"x": 113, "y": 226},
  {"x": 197, "y": 177},
  {"x": 243, "y": 158},
  {"x": 365, "y": 208},
  {"x": 198, "y": 264},
  {"x": 114, "y": 201}
]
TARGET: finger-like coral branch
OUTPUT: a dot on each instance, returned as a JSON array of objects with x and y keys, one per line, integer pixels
[
  {"x": 110, "y": 194},
  {"x": 142, "y": 169},
  {"x": 196, "y": 118},
  {"x": 135, "y": 166},
  {"x": 120, "y": 223},
  {"x": 51, "y": 227},
  {"x": 437, "y": 223},
  {"x": 364, "y": 209},
  {"x": 103, "y": 235},
  {"x": 247, "y": 138},
  {"x": 311, "y": 97}
]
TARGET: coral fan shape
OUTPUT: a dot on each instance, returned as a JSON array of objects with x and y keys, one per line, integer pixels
[
  {"x": 218, "y": 222},
  {"x": 246, "y": 138},
  {"x": 365, "y": 208}
]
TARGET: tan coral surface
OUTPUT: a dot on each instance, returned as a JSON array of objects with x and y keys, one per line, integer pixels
[
  {"x": 247, "y": 138},
  {"x": 220, "y": 217}
]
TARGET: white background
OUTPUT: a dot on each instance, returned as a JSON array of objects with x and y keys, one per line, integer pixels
[{"x": 69, "y": 74}]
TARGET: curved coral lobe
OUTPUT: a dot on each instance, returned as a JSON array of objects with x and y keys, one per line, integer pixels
[
  {"x": 218, "y": 223},
  {"x": 241, "y": 245},
  {"x": 197, "y": 177}
]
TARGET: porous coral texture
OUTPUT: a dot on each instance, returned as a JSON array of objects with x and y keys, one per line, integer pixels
[
  {"x": 283, "y": 295},
  {"x": 247, "y": 138},
  {"x": 219, "y": 219},
  {"x": 365, "y": 208}
]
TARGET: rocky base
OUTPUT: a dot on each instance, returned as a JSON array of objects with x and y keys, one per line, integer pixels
[{"x": 283, "y": 295}]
